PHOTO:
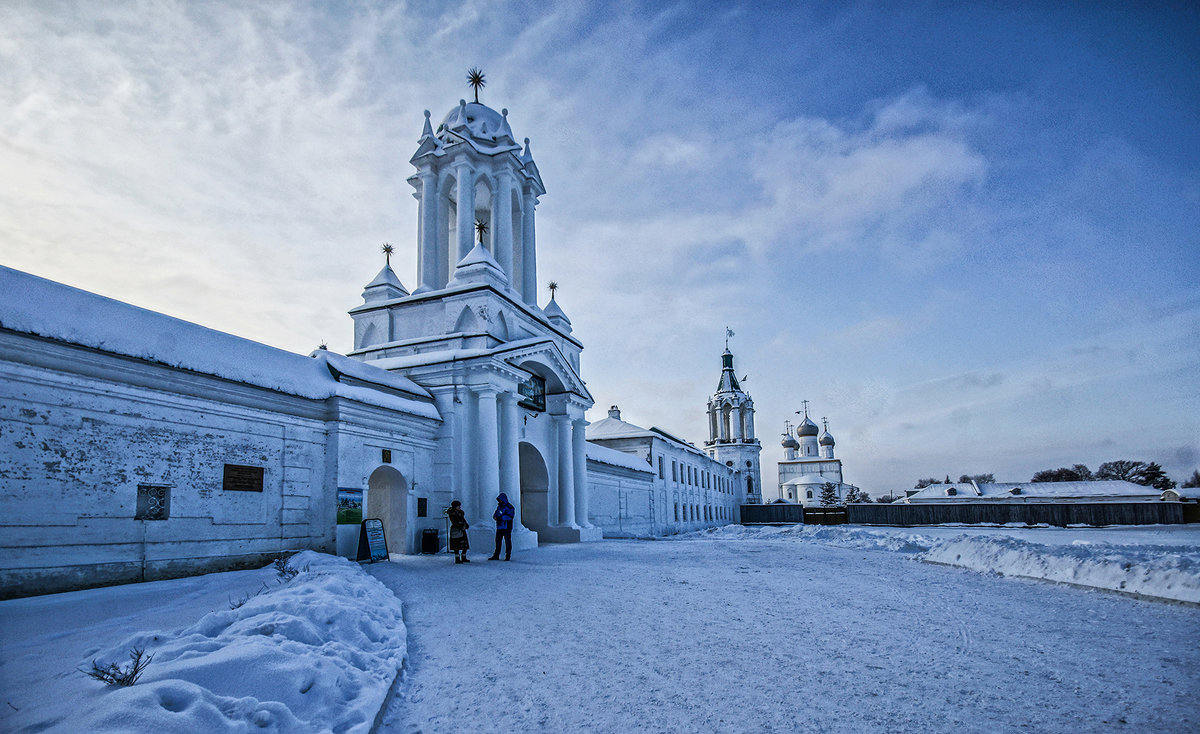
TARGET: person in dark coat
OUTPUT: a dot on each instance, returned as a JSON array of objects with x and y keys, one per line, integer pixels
[
  {"x": 504, "y": 522},
  {"x": 458, "y": 532}
]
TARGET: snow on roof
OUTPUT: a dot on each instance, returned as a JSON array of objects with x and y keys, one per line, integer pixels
[
  {"x": 614, "y": 428},
  {"x": 1102, "y": 489},
  {"x": 41, "y": 307},
  {"x": 360, "y": 370},
  {"x": 613, "y": 457}
]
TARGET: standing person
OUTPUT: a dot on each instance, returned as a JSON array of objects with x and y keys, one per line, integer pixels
[
  {"x": 504, "y": 521},
  {"x": 458, "y": 532}
]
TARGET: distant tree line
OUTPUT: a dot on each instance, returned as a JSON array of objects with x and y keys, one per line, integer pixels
[
  {"x": 978, "y": 478},
  {"x": 1145, "y": 473}
]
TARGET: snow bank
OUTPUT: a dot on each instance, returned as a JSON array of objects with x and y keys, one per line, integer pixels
[
  {"x": 318, "y": 652},
  {"x": 1093, "y": 557},
  {"x": 1157, "y": 571}
]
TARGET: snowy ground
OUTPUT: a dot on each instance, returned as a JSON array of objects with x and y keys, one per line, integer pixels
[{"x": 738, "y": 629}]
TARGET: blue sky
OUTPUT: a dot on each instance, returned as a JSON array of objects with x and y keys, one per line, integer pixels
[{"x": 970, "y": 236}]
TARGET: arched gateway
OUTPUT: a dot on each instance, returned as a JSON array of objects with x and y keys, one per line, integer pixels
[{"x": 387, "y": 499}]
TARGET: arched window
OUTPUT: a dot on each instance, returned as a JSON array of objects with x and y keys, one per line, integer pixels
[{"x": 809, "y": 494}]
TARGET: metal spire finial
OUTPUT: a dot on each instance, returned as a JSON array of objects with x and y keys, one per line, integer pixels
[
  {"x": 805, "y": 404},
  {"x": 481, "y": 229},
  {"x": 728, "y": 334},
  {"x": 553, "y": 286},
  {"x": 387, "y": 251},
  {"x": 475, "y": 79}
]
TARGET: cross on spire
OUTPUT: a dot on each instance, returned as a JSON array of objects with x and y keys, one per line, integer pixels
[
  {"x": 787, "y": 428},
  {"x": 825, "y": 422},
  {"x": 805, "y": 404}
]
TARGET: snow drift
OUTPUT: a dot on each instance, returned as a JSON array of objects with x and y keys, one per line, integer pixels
[{"x": 319, "y": 653}]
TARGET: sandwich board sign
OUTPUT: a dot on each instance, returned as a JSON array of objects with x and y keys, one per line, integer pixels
[{"x": 372, "y": 544}]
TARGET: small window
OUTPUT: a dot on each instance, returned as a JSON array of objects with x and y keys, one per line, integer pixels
[
  {"x": 153, "y": 502},
  {"x": 386, "y": 458},
  {"x": 422, "y": 506},
  {"x": 809, "y": 494},
  {"x": 674, "y": 471},
  {"x": 660, "y": 468},
  {"x": 951, "y": 492}
]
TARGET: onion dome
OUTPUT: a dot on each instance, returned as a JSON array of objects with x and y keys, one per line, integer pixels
[
  {"x": 789, "y": 442},
  {"x": 807, "y": 428},
  {"x": 826, "y": 438}
]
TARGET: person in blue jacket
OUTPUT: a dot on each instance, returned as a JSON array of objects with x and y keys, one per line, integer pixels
[{"x": 504, "y": 522}]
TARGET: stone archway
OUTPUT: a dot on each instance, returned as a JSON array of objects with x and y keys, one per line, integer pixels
[
  {"x": 535, "y": 489},
  {"x": 387, "y": 499}
]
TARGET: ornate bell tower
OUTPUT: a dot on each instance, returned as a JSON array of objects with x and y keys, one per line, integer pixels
[
  {"x": 731, "y": 431},
  {"x": 474, "y": 179}
]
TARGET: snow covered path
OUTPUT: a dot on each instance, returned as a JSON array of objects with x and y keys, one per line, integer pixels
[{"x": 703, "y": 635}]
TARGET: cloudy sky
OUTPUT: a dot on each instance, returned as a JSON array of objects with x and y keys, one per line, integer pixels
[{"x": 969, "y": 236}]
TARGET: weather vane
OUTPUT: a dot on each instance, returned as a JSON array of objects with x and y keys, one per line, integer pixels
[
  {"x": 481, "y": 229},
  {"x": 553, "y": 286},
  {"x": 728, "y": 335},
  {"x": 387, "y": 251},
  {"x": 476, "y": 80}
]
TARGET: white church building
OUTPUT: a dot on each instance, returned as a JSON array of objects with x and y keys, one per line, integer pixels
[
  {"x": 136, "y": 446},
  {"x": 809, "y": 464}
]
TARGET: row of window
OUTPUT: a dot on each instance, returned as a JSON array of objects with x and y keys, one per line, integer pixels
[
  {"x": 692, "y": 513},
  {"x": 692, "y": 476}
]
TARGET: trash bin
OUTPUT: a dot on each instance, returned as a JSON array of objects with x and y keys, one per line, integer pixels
[{"x": 429, "y": 541}]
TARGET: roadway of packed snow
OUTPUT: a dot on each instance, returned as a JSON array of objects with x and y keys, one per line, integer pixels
[{"x": 735, "y": 629}]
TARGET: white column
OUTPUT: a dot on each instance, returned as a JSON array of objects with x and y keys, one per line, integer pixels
[
  {"x": 579, "y": 454},
  {"x": 736, "y": 419},
  {"x": 502, "y": 222},
  {"x": 510, "y": 457},
  {"x": 529, "y": 287},
  {"x": 427, "y": 255},
  {"x": 487, "y": 453},
  {"x": 466, "y": 209},
  {"x": 750, "y": 424},
  {"x": 566, "y": 472}
]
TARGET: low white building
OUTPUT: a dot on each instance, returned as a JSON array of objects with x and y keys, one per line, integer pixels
[
  {"x": 688, "y": 489},
  {"x": 1032, "y": 492}
]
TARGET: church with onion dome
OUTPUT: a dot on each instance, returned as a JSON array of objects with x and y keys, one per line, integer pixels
[{"x": 809, "y": 463}]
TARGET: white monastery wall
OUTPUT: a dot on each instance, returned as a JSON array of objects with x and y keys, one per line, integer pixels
[
  {"x": 77, "y": 442},
  {"x": 134, "y": 446}
]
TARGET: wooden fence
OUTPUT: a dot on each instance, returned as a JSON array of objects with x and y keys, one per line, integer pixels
[
  {"x": 996, "y": 513},
  {"x": 780, "y": 514},
  {"x": 999, "y": 513}
]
